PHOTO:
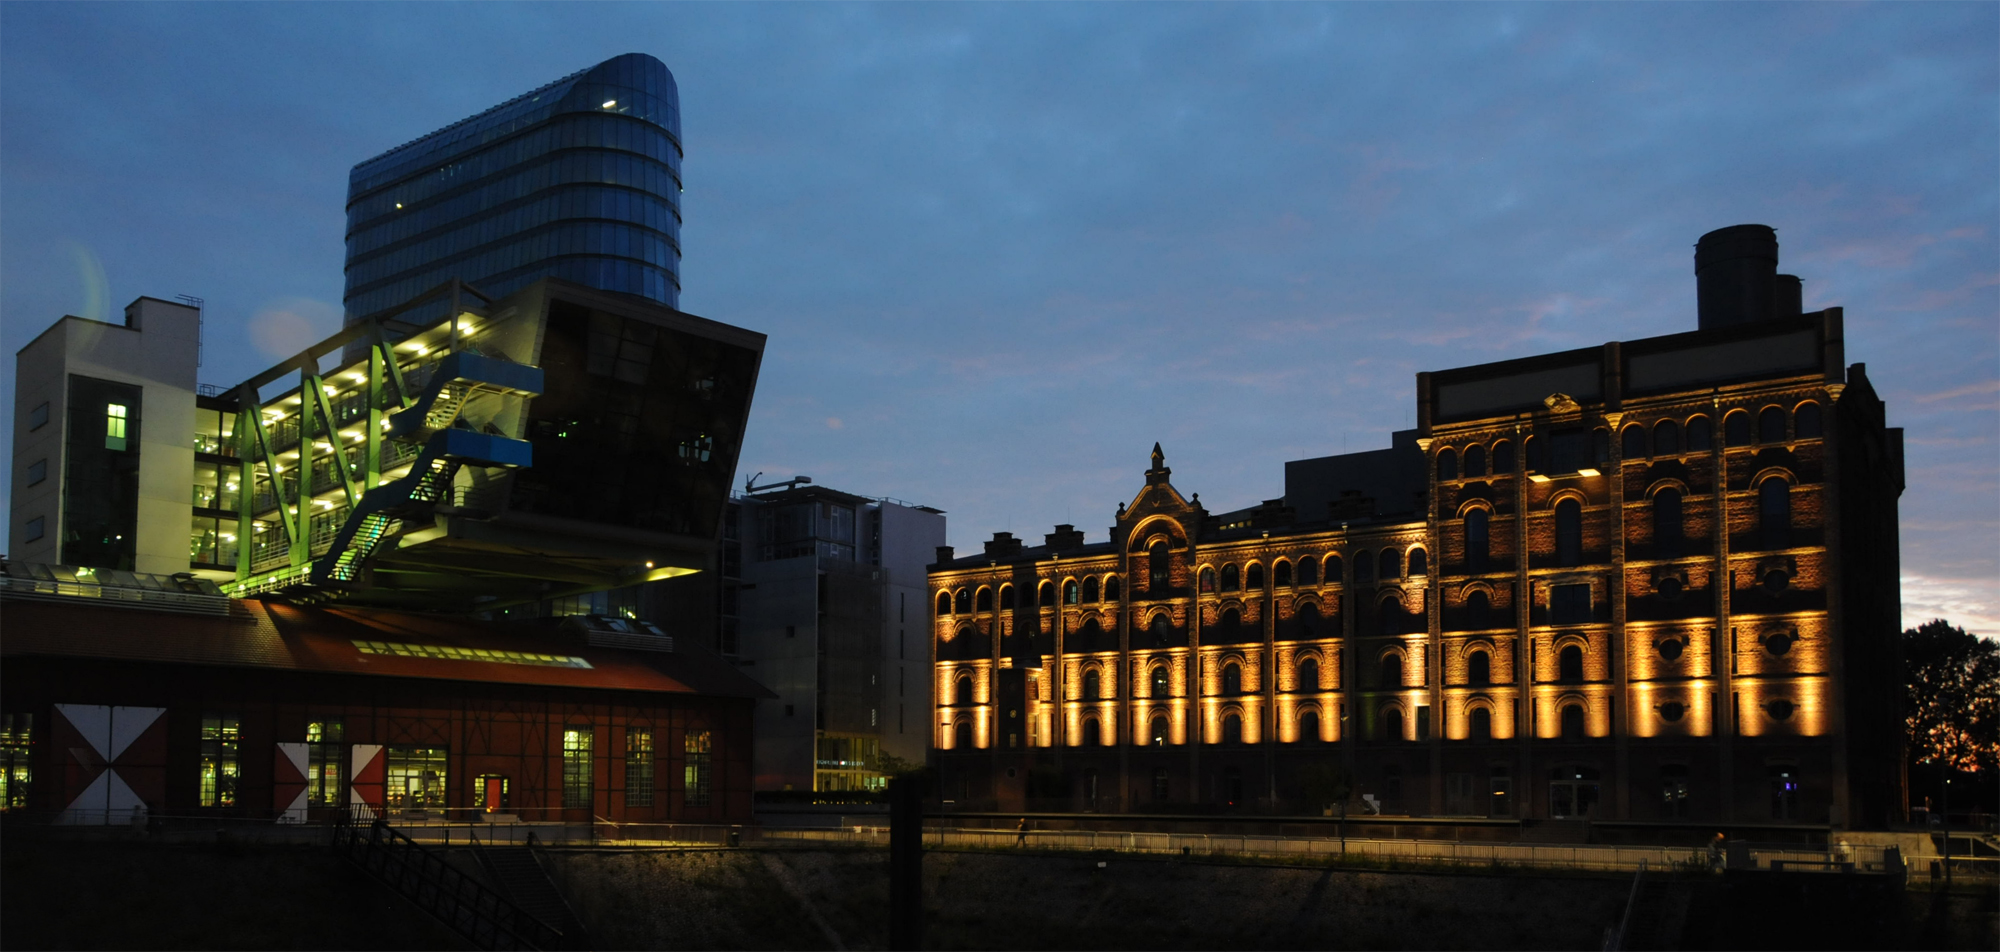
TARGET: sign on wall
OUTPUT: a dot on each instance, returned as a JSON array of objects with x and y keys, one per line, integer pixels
[{"x": 114, "y": 762}]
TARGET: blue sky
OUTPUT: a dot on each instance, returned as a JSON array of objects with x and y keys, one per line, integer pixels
[{"x": 1002, "y": 249}]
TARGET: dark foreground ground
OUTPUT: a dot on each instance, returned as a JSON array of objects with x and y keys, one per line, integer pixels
[{"x": 141, "y": 895}]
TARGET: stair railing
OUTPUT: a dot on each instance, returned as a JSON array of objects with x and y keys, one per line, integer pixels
[{"x": 464, "y": 904}]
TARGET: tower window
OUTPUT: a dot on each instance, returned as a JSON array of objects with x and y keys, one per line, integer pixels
[
  {"x": 1569, "y": 533},
  {"x": 114, "y": 426}
]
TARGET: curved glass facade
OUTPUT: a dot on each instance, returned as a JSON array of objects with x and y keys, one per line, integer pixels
[{"x": 579, "y": 180}]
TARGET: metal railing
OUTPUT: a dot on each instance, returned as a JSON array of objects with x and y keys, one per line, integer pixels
[
  {"x": 463, "y": 903},
  {"x": 192, "y": 602}
]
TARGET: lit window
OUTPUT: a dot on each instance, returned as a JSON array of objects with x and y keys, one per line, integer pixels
[
  {"x": 221, "y": 736},
  {"x": 323, "y": 754},
  {"x": 695, "y": 773},
  {"x": 114, "y": 426},
  {"x": 17, "y": 772},
  {"x": 638, "y": 768},
  {"x": 416, "y": 777},
  {"x": 576, "y": 768}
]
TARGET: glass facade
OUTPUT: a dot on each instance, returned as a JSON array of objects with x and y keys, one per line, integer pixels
[
  {"x": 579, "y": 180},
  {"x": 101, "y": 476}
]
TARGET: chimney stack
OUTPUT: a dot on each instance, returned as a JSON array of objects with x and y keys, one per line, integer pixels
[{"x": 1737, "y": 280}]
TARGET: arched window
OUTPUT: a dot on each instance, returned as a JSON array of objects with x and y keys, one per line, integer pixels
[
  {"x": 1158, "y": 731},
  {"x": 964, "y": 601},
  {"x": 1253, "y": 577},
  {"x": 1634, "y": 442},
  {"x": 1736, "y": 428},
  {"x": 1281, "y": 574},
  {"x": 1163, "y": 630},
  {"x": 1477, "y": 609},
  {"x": 1231, "y": 577},
  {"x": 1478, "y": 668},
  {"x": 1666, "y": 438},
  {"x": 1306, "y": 619},
  {"x": 1600, "y": 447},
  {"x": 1701, "y": 436},
  {"x": 1090, "y": 589},
  {"x": 1069, "y": 591},
  {"x": 1093, "y": 685},
  {"x": 1475, "y": 461},
  {"x": 1572, "y": 722},
  {"x": 1477, "y": 546},
  {"x": 1364, "y": 567},
  {"x": 1806, "y": 420},
  {"x": 1569, "y": 663},
  {"x": 1389, "y": 617},
  {"x": 1503, "y": 458},
  {"x": 1308, "y": 675},
  {"x": 962, "y": 690},
  {"x": 1771, "y": 425},
  {"x": 1392, "y": 723},
  {"x": 1229, "y": 625},
  {"x": 1163, "y": 685},
  {"x": 1390, "y": 564},
  {"x": 1392, "y": 670},
  {"x": 1006, "y": 597},
  {"x": 1774, "y": 513},
  {"x": 1668, "y": 524},
  {"x": 1447, "y": 464},
  {"x": 1045, "y": 595},
  {"x": 1308, "y": 727},
  {"x": 985, "y": 600},
  {"x": 1157, "y": 569},
  {"x": 1333, "y": 570},
  {"x": 1308, "y": 571},
  {"x": 963, "y": 738},
  {"x": 1232, "y": 728},
  {"x": 1089, "y": 636},
  {"x": 1207, "y": 578},
  {"x": 1531, "y": 451},
  {"x": 1569, "y": 533},
  {"x": 944, "y": 604},
  {"x": 1113, "y": 591},
  {"x": 1420, "y": 562},
  {"x": 1479, "y": 724},
  {"x": 1232, "y": 678},
  {"x": 1089, "y": 736}
]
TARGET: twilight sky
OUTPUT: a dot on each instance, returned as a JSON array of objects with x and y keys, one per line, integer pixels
[{"x": 1002, "y": 249}]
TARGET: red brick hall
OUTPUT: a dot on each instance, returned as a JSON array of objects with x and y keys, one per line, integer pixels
[{"x": 127, "y": 694}]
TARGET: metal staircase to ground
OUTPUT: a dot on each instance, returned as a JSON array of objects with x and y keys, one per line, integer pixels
[
  {"x": 468, "y": 907},
  {"x": 520, "y": 874}
]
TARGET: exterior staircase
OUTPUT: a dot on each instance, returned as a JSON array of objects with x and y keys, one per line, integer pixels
[
  {"x": 465, "y": 905},
  {"x": 520, "y": 874}
]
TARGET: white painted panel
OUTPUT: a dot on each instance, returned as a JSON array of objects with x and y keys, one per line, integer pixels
[
  {"x": 127, "y": 723},
  {"x": 93, "y": 721}
]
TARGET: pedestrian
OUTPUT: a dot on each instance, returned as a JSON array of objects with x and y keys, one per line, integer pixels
[{"x": 1021, "y": 833}]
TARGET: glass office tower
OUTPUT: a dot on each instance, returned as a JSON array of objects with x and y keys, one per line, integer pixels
[{"x": 579, "y": 180}]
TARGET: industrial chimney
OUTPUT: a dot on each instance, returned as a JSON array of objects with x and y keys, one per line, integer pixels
[{"x": 1737, "y": 280}]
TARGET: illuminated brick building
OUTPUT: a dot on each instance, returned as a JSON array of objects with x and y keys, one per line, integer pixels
[{"x": 1652, "y": 581}]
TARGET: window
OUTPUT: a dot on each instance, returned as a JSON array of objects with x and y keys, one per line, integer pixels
[
  {"x": 1503, "y": 458},
  {"x": 1207, "y": 579},
  {"x": 1531, "y": 451},
  {"x": 1160, "y": 783},
  {"x": 1162, "y": 683},
  {"x": 1232, "y": 678},
  {"x": 114, "y": 426},
  {"x": 1389, "y": 617},
  {"x": 1308, "y": 571},
  {"x": 963, "y": 736},
  {"x": 1476, "y": 545},
  {"x": 1231, "y": 578},
  {"x": 1700, "y": 435},
  {"x": 1006, "y": 597},
  {"x": 1600, "y": 448},
  {"x": 1391, "y": 564},
  {"x": 1667, "y": 523},
  {"x": 1308, "y": 675},
  {"x": 1774, "y": 513},
  {"x": 1090, "y": 589},
  {"x": 1093, "y": 685},
  {"x": 38, "y": 417},
  {"x": 1308, "y": 726},
  {"x": 1477, "y": 609},
  {"x": 1475, "y": 461},
  {"x": 1674, "y": 791},
  {"x": 964, "y": 601},
  {"x": 1113, "y": 591},
  {"x": 1736, "y": 428},
  {"x": 1045, "y": 595},
  {"x": 1447, "y": 464},
  {"x": 1093, "y": 733},
  {"x": 1419, "y": 563},
  {"x": 1157, "y": 566},
  {"x": 1253, "y": 577},
  {"x": 1162, "y": 630},
  {"x": 577, "y": 777},
  {"x": 38, "y": 471},
  {"x": 984, "y": 600},
  {"x": 1806, "y": 421},
  {"x": 1281, "y": 574},
  {"x": 1569, "y": 533},
  {"x": 1666, "y": 438},
  {"x": 1634, "y": 443},
  {"x": 1784, "y": 792},
  {"x": 1069, "y": 592},
  {"x": 1232, "y": 733},
  {"x": 1158, "y": 737},
  {"x": 1501, "y": 784},
  {"x": 1478, "y": 668},
  {"x": 416, "y": 778},
  {"x": 638, "y": 767},
  {"x": 1569, "y": 663},
  {"x": 944, "y": 604},
  {"x": 698, "y": 769},
  {"x": 326, "y": 762},
  {"x": 1771, "y": 425},
  {"x": 17, "y": 771},
  {"x": 1392, "y": 723},
  {"x": 221, "y": 738},
  {"x": 1572, "y": 790},
  {"x": 34, "y": 530},
  {"x": 490, "y": 793},
  {"x": 1479, "y": 724},
  {"x": 1571, "y": 449},
  {"x": 1333, "y": 570},
  {"x": 1392, "y": 671},
  {"x": 962, "y": 694}
]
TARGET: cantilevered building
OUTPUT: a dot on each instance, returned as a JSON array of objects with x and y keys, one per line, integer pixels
[
  {"x": 1653, "y": 581},
  {"x": 578, "y": 180}
]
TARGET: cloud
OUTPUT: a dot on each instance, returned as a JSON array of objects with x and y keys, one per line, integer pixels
[
  {"x": 833, "y": 423},
  {"x": 1971, "y": 604}
]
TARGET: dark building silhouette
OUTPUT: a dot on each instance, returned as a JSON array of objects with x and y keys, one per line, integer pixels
[{"x": 578, "y": 180}]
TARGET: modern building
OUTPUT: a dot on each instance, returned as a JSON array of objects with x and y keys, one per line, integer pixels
[
  {"x": 1653, "y": 581},
  {"x": 579, "y": 180},
  {"x": 822, "y": 601}
]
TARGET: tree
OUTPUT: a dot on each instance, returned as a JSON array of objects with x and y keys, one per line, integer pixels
[{"x": 1952, "y": 699}]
